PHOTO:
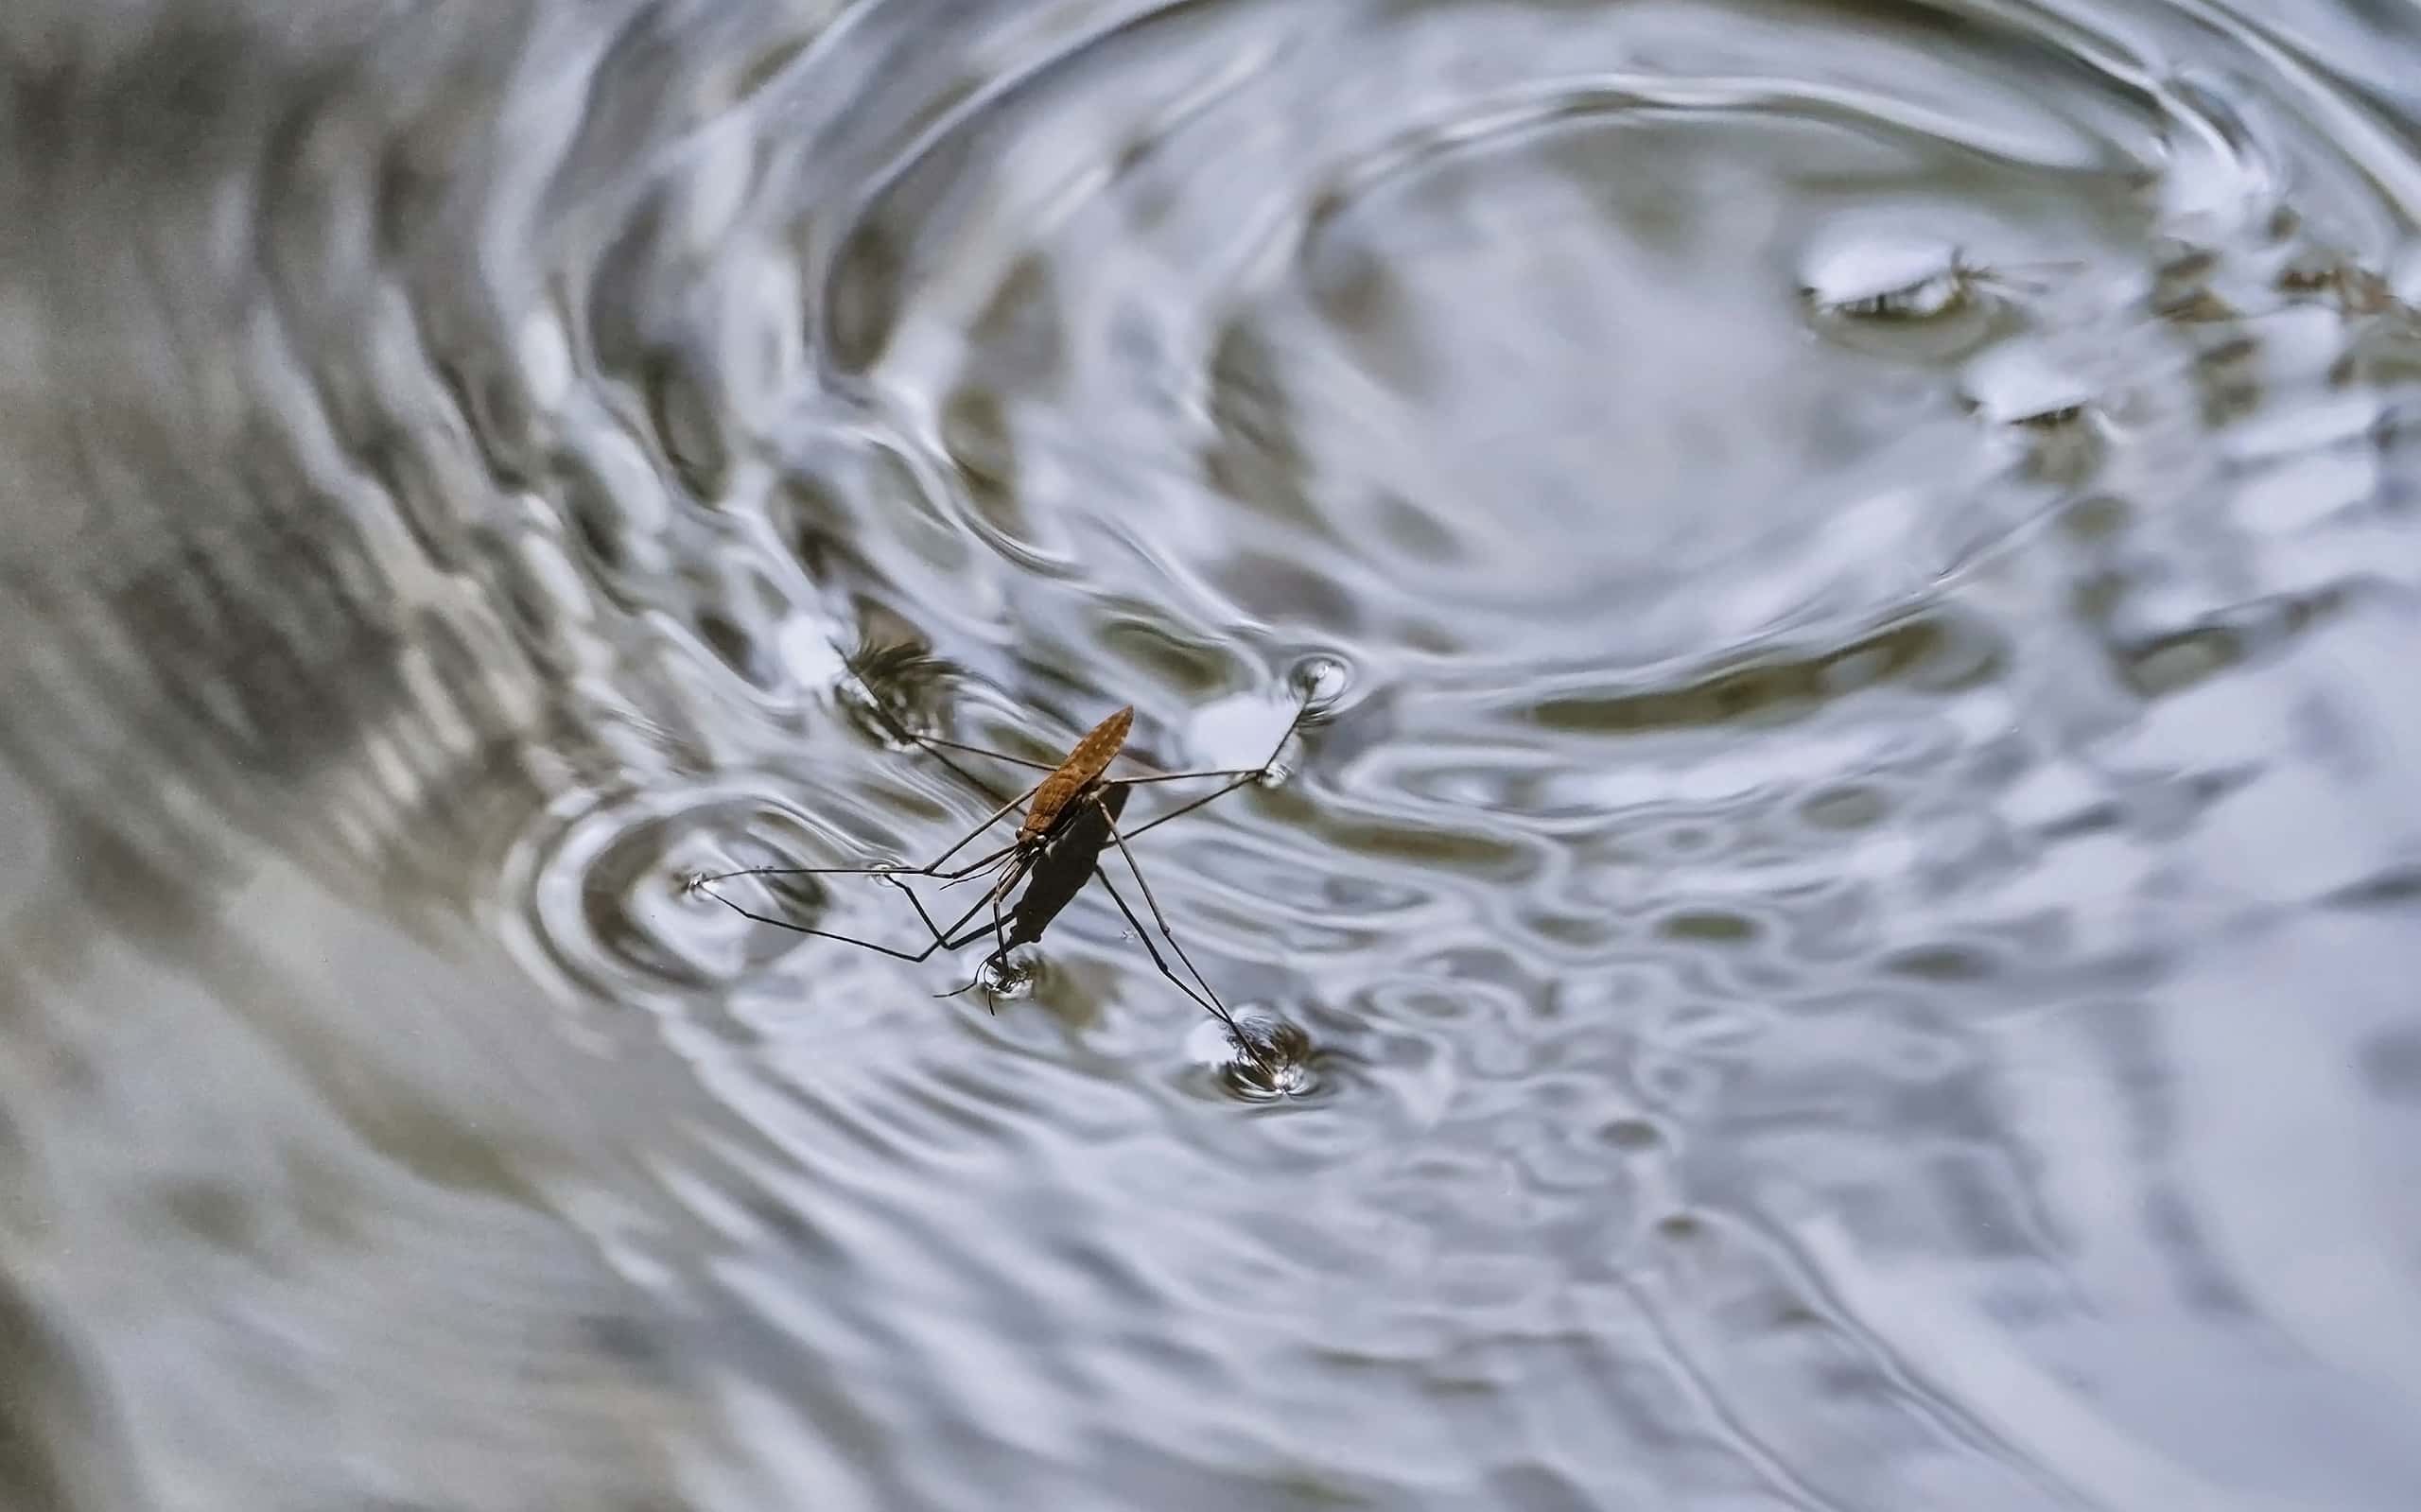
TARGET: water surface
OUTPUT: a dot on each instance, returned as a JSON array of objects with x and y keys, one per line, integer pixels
[{"x": 1843, "y": 941}]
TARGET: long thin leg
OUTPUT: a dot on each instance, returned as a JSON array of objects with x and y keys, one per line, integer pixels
[
  {"x": 826, "y": 934},
  {"x": 983, "y": 751},
  {"x": 898, "y": 731},
  {"x": 974, "y": 869},
  {"x": 948, "y": 939},
  {"x": 977, "y": 932},
  {"x": 1238, "y": 777},
  {"x": 974, "y": 932},
  {"x": 992, "y": 858},
  {"x": 1190, "y": 807},
  {"x": 999, "y": 939},
  {"x": 1210, "y": 1005},
  {"x": 1000, "y": 949},
  {"x": 942, "y": 938},
  {"x": 932, "y": 868},
  {"x": 1149, "y": 776},
  {"x": 1180, "y": 777},
  {"x": 901, "y": 732},
  {"x": 1283, "y": 736},
  {"x": 989, "y": 820},
  {"x": 1154, "y": 904}
]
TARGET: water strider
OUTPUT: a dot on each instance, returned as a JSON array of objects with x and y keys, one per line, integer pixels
[{"x": 1071, "y": 821}]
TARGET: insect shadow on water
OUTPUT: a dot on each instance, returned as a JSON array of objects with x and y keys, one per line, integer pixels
[{"x": 1071, "y": 821}]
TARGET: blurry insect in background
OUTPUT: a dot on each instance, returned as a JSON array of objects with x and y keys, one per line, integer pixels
[
  {"x": 1918, "y": 281},
  {"x": 1070, "y": 820}
]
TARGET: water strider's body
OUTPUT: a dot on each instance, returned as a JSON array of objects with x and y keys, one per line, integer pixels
[
  {"x": 1069, "y": 855},
  {"x": 1078, "y": 773}
]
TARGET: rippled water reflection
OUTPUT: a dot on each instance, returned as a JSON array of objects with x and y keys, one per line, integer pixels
[{"x": 1843, "y": 942}]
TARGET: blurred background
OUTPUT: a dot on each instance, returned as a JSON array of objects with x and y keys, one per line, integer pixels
[{"x": 1846, "y": 941}]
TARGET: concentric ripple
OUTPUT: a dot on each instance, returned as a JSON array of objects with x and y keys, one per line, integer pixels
[
  {"x": 618, "y": 897},
  {"x": 1756, "y": 457},
  {"x": 1833, "y": 941}
]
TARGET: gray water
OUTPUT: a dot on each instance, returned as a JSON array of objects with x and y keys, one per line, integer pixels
[{"x": 1843, "y": 936}]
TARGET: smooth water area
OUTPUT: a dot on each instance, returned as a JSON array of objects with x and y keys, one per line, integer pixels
[{"x": 1842, "y": 934}]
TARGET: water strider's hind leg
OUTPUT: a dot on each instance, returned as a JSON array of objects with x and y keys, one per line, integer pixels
[{"x": 1211, "y": 1004}]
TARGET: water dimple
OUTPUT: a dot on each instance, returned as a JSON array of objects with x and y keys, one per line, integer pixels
[
  {"x": 1265, "y": 1059},
  {"x": 1012, "y": 978},
  {"x": 1321, "y": 681},
  {"x": 892, "y": 693},
  {"x": 620, "y": 897}
]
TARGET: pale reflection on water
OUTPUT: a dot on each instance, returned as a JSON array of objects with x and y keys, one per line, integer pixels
[{"x": 1842, "y": 942}]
